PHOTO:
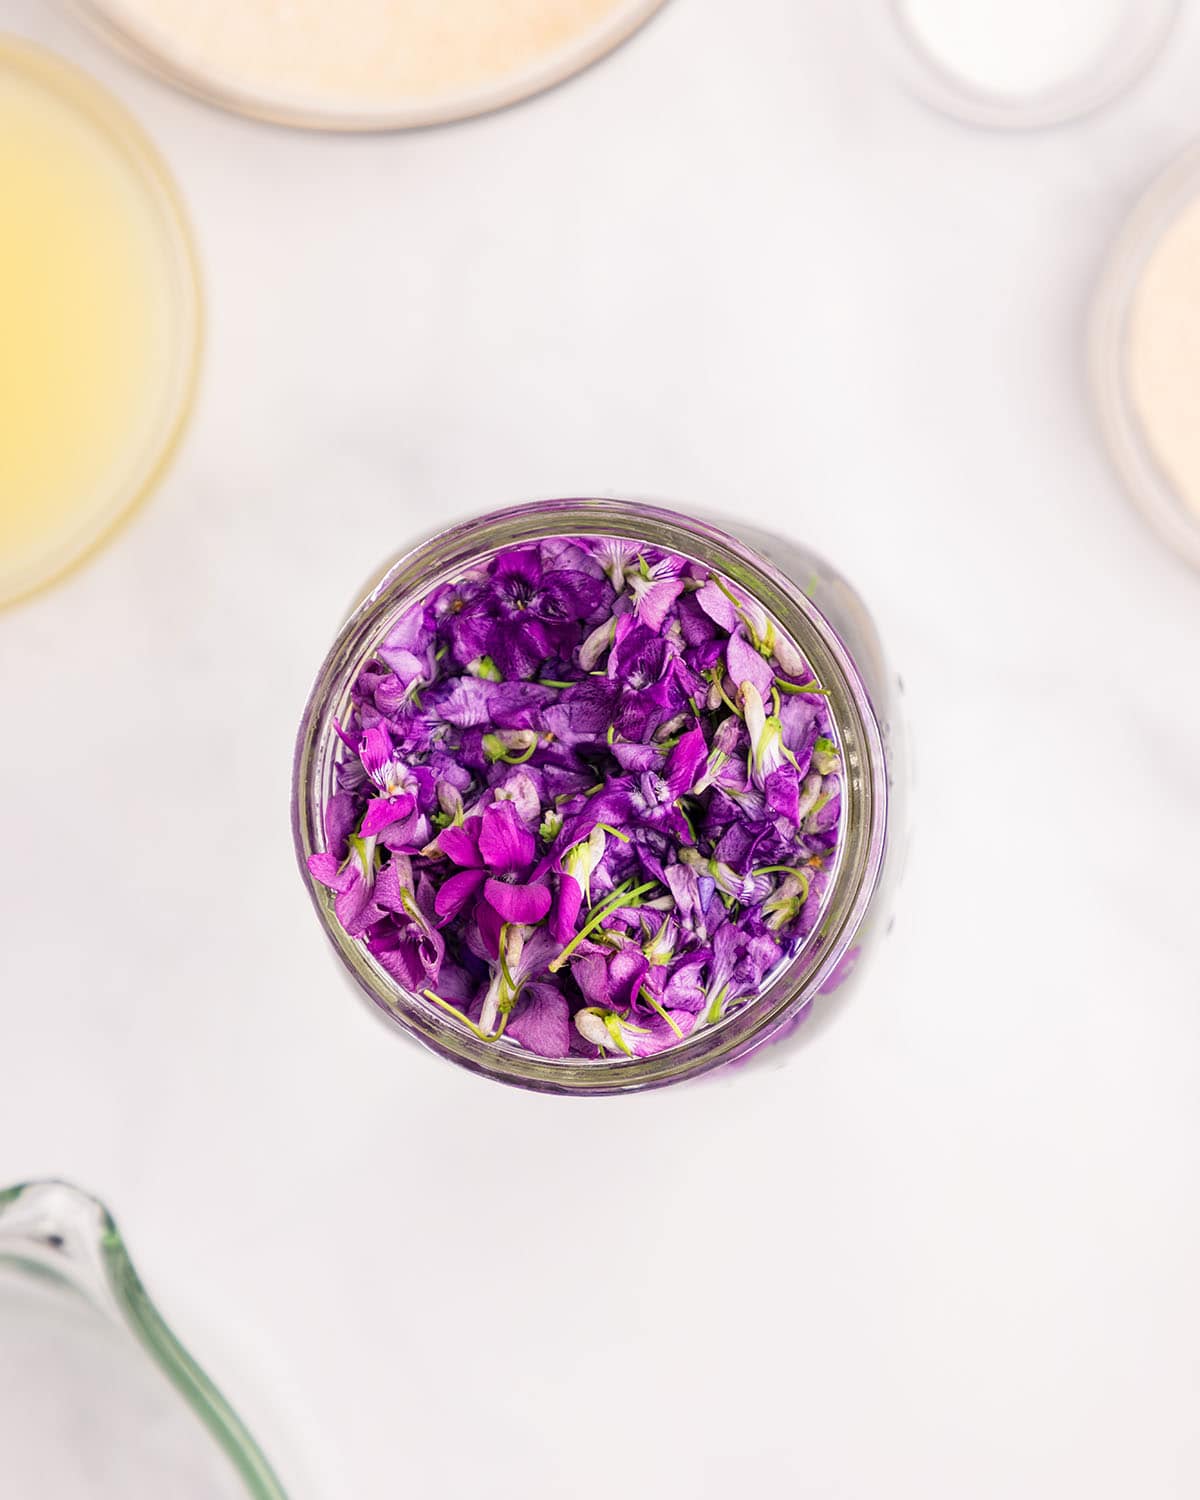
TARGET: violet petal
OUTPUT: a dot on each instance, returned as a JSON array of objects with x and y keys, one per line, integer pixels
[
  {"x": 541, "y": 1021},
  {"x": 518, "y": 903},
  {"x": 505, "y": 844},
  {"x": 456, "y": 892},
  {"x": 383, "y": 811}
]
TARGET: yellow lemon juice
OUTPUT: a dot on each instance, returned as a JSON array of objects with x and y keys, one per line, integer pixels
[{"x": 97, "y": 316}]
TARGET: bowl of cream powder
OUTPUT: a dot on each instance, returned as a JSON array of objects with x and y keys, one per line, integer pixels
[
  {"x": 1145, "y": 355},
  {"x": 365, "y": 64}
]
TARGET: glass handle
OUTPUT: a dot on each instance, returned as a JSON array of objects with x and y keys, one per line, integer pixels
[
  {"x": 62, "y": 1232},
  {"x": 54, "y": 1230}
]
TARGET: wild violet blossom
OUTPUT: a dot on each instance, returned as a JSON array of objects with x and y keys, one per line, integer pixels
[{"x": 589, "y": 799}]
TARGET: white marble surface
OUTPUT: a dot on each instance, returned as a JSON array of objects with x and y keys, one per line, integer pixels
[{"x": 951, "y": 1250}]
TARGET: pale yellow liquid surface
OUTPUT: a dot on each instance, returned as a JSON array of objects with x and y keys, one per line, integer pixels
[{"x": 97, "y": 316}]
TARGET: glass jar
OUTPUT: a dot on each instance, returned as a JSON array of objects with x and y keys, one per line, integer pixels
[{"x": 810, "y": 603}]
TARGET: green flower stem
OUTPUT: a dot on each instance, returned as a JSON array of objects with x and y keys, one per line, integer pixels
[
  {"x": 714, "y": 1010},
  {"x": 413, "y": 910},
  {"x": 508, "y": 979},
  {"x": 725, "y": 698},
  {"x": 453, "y": 1010},
  {"x": 613, "y": 1026},
  {"x": 616, "y": 832},
  {"x": 764, "y": 645},
  {"x": 366, "y": 851},
  {"x": 655, "y": 1006},
  {"x": 622, "y": 896},
  {"x": 801, "y": 687},
  {"x": 738, "y": 604}
]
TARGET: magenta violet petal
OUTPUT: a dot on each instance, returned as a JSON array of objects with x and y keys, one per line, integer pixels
[
  {"x": 462, "y": 845},
  {"x": 654, "y": 598},
  {"x": 488, "y": 925},
  {"x": 744, "y": 664},
  {"x": 353, "y": 905},
  {"x": 541, "y": 1021},
  {"x": 518, "y": 903},
  {"x": 456, "y": 892},
  {"x": 566, "y": 908},
  {"x": 384, "y": 811},
  {"x": 327, "y": 868},
  {"x": 505, "y": 844}
]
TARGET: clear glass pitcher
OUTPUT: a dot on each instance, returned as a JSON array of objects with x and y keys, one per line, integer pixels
[{"x": 98, "y": 1400}]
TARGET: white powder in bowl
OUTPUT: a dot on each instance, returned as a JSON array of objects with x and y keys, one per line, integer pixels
[
  {"x": 1163, "y": 354},
  {"x": 1018, "y": 48},
  {"x": 365, "y": 54}
]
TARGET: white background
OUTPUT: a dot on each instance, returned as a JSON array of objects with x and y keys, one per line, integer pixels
[{"x": 951, "y": 1249}]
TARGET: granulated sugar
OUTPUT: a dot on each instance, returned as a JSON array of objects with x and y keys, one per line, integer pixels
[
  {"x": 359, "y": 53},
  {"x": 1163, "y": 346}
]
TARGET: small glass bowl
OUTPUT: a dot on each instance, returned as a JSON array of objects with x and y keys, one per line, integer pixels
[
  {"x": 1176, "y": 522},
  {"x": 1134, "y": 45},
  {"x": 808, "y": 602}
]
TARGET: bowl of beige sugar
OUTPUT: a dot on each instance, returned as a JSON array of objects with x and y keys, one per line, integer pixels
[
  {"x": 366, "y": 64},
  {"x": 1145, "y": 355}
]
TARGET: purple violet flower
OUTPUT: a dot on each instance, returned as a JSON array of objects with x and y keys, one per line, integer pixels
[
  {"x": 353, "y": 884},
  {"x": 588, "y": 799},
  {"x": 523, "y": 614},
  {"x": 495, "y": 853},
  {"x": 745, "y": 664},
  {"x": 406, "y": 942},
  {"x": 341, "y": 819},
  {"x": 652, "y": 799},
  {"x": 408, "y": 648},
  {"x": 656, "y": 589},
  {"x": 611, "y": 1032},
  {"x": 401, "y": 787}
]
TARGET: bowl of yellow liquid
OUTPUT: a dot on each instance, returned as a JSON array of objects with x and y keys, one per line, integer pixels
[{"x": 99, "y": 316}]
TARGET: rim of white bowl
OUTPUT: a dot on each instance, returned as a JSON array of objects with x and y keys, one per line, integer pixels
[{"x": 1135, "y": 44}]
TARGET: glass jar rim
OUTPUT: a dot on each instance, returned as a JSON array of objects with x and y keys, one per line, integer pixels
[{"x": 441, "y": 558}]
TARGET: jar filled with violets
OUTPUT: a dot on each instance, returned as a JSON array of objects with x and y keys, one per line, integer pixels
[{"x": 593, "y": 796}]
